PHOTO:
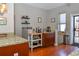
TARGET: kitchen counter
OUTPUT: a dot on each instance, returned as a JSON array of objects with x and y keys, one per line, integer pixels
[
  {"x": 11, "y": 40},
  {"x": 12, "y": 45}
]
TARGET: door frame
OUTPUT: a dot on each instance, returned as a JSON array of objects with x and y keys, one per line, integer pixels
[{"x": 74, "y": 28}]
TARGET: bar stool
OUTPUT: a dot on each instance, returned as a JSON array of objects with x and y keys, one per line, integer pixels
[{"x": 66, "y": 39}]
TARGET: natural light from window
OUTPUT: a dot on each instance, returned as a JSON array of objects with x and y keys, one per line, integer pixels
[{"x": 62, "y": 24}]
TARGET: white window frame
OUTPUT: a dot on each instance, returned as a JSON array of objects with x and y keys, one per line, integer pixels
[{"x": 61, "y": 24}]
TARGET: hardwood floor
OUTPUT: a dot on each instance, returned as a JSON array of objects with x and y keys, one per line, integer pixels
[{"x": 61, "y": 50}]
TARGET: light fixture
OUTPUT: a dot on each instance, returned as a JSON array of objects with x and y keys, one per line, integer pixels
[{"x": 3, "y": 8}]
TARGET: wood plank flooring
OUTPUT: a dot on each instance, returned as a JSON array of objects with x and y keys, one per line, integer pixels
[{"x": 61, "y": 50}]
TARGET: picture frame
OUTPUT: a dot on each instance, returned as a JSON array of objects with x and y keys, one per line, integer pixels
[
  {"x": 3, "y": 21},
  {"x": 52, "y": 20},
  {"x": 39, "y": 19}
]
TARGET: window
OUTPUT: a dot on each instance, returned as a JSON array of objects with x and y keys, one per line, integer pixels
[{"x": 62, "y": 23}]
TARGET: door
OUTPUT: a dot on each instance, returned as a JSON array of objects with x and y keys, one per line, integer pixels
[{"x": 76, "y": 29}]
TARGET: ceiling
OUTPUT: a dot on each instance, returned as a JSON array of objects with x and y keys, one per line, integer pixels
[{"x": 46, "y": 6}]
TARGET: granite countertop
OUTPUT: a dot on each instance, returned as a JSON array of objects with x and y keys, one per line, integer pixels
[{"x": 11, "y": 40}]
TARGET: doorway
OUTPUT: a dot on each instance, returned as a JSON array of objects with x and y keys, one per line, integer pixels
[{"x": 76, "y": 30}]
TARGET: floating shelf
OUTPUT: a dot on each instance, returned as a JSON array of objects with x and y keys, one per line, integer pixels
[{"x": 25, "y": 23}]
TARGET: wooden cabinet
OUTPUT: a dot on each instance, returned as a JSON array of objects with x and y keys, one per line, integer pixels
[{"x": 48, "y": 39}]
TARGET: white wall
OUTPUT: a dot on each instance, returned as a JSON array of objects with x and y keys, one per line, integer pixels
[
  {"x": 33, "y": 13},
  {"x": 9, "y": 27},
  {"x": 69, "y": 10}
]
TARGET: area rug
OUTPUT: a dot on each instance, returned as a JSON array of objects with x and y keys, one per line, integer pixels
[{"x": 74, "y": 53}]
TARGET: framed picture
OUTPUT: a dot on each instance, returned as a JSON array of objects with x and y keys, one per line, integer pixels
[
  {"x": 52, "y": 20},
  {"x": 39, "y": 19},
  {"x": 3, "y": 21}
]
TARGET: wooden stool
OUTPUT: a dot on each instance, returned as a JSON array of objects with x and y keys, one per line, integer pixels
[{"x": 66, "y": 39}]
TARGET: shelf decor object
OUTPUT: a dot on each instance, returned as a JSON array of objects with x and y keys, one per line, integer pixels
[
  {"x": 3, "y": 21},
  {"x": 39, "y": 19},
  {"x": 52, "y": 20},
  {"x": 25, "y": 17}
]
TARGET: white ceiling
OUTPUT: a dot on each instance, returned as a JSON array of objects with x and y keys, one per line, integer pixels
[{"x": 46, "y": 6}]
